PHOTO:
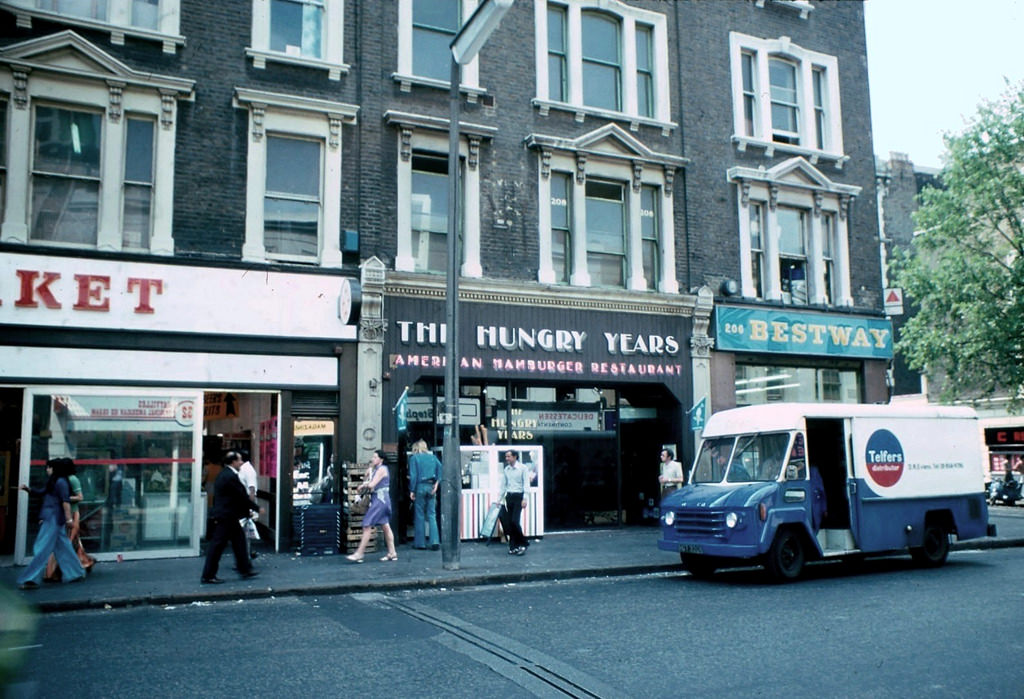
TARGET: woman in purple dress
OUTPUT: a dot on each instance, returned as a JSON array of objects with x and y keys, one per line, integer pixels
[{"x": 378, "y": 482}]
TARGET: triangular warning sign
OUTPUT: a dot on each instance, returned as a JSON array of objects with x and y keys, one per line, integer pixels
[{"x": 893, "y": 297}]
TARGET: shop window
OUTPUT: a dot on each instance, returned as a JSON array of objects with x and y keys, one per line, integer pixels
[
  {"x": 141, "y": 19},
  {"x": 785, "y": 97},
  {"x": 135, "y": 455},
  {"x": 293, "y": 197},
  {"x": 602, "y": 57},
  {"x": 760, "y": 384},
  {"x": 307, "y": 33}
]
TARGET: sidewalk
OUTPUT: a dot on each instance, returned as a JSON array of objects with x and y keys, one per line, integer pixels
[{"x": 619, "y": 551}]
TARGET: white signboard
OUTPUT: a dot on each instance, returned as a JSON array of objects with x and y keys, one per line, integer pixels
[{"x": 893, "y": 301}]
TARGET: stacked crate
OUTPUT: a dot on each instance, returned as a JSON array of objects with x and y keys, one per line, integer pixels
[
  {"x": 354, "y": 522},
  {"x": 319, "y": 529}
]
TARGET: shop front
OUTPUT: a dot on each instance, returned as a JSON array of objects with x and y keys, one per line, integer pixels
[
  {"x": 1005, "y": 443},
  {"x": 589, "y": 397},
  {"x": 766, "y": 355},
  {"x": 146, "y": 375}
]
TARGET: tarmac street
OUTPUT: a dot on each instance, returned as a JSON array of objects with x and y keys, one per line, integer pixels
[{"x": 603, "y": 552}]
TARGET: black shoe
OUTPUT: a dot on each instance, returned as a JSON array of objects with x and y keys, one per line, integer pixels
[
  {"x": 253, "y": 555},
  {"x": 521, "y": 550},
  {"x": 435, "y": 547},
  {"x": 29, "y": 586},
  {"x": 211, "y": 581},
  {"x": 512, "y": 552},
  {"x": 250, "y": 574}
]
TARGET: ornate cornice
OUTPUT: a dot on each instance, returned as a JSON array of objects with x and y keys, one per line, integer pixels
[{"x": 541, "y": 295}]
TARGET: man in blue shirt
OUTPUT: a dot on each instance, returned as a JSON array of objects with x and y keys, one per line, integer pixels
[{"x": 514, "y": 480}]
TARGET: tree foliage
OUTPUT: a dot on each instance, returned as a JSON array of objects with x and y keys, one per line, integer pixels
[{"x": 965, "y": 269}]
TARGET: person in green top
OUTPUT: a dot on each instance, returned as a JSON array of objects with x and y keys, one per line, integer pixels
[{"x": 53, "y": 573}]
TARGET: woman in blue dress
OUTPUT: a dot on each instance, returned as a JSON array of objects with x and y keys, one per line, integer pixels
[
  {"x": 54, "y": 521},
  {"x": 378, "y": 482}
]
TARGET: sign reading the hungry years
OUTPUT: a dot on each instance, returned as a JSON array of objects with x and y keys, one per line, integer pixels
[
  {"x": 632, "y": 348},
  {"x": 802, "y": 332}
]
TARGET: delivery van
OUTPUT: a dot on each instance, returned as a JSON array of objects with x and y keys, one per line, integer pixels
[{"x": 782, "y": 484}]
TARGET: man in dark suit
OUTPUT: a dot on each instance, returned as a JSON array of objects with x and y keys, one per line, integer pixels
[{"x": 230, "y": 504}]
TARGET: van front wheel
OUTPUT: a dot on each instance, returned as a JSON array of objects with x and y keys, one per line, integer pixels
[
  {"x": 934, "y": 548},
  {"x": 785, "y": 559}
]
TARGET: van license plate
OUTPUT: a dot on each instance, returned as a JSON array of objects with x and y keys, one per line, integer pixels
[{"x": 691, "y": 548}]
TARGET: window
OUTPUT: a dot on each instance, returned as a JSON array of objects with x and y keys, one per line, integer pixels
[
  {"x": 610, "y": 220},
  {"x": 138, "y": 184},
  {"x": 3, "y": 156},
  {"x": 98, "y": 166},
  {"x": 606, "y": 233},
  {"x": 66, "y": 176},
  {"x": 561, "y": 226},
  {"x": 430, "y": 212},
  {"x": 800, "y": 88},
  {"x": 307, "y": 33},
  {"x": 828, "y": 234},
  {"x": 645, "y": 70},
  {"x": 602, "y": 69},
  {"x": 425, "y": 30},
  {"x": 293, "y": 178},
  {"x": 557, "y": 54},
  {"x": 434, "y": 25},
  {"x": 649, "y": 239},
  {"x": 291, "y": 205},
  {"x": 422, "y": 194},
  {"x": 757, "y": 249},
  {"x": 602, "y": 57},
  {"x": 792, "y": 254},
  {"x": 793, "y": 234},
  {"x": 759, "y": 384},
  {"x": 144, "y": 19}
]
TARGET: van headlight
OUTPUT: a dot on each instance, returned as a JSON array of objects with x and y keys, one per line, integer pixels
[
  {"x": 731, "y": 520},
  {"x": 670, "y": 517}
]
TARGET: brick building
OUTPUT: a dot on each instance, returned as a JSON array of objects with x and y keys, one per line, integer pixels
[{"x": 659, "y": 203}]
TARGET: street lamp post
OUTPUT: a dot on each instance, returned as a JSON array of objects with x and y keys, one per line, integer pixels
[{"x": 464, "y": 47}]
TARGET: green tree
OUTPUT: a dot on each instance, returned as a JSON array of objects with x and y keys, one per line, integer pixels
[{"x": 965, "y": 268}]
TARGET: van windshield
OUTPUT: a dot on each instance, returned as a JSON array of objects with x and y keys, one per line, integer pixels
[{"x": 742, "y": 459}]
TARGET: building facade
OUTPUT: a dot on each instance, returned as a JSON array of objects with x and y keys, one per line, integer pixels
[{"x": 241, "y": 209}]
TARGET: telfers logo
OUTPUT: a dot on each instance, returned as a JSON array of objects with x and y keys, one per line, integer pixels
[{"x": 884, "y": 458}]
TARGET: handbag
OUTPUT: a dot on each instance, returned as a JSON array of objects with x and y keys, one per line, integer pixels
[
  {"x": 360, "y": 505},
  {"x": 251, "y": 532}
]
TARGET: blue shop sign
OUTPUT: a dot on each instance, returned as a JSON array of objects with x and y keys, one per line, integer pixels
[{"x": 802, "y": 332}]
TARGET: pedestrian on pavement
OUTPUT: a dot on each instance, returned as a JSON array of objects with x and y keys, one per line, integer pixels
[
  {"x": 671, "y": 477},
  {"x": 378, "y": 482},
  {"x": 53, "y": 571},
  {"x": 514, "y": 480},
  {"x": 230, "y": 504},
  {"x": 247, "y": 474},
  {"x": 54, "y": 522},
  {"x": 424, "y": 479}
]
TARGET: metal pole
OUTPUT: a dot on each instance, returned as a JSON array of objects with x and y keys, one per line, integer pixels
[{"x": 451, "y": 483}]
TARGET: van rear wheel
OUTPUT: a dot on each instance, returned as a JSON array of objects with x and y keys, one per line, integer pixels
[
  {"x": 934, "y": 548},
  {"x": 785, "y": 559}
]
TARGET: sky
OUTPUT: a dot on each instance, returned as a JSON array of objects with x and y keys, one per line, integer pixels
[{"x": 931, "y": 62}]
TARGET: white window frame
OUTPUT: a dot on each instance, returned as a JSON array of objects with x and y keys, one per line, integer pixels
[
  {"x": 806, "y": 62},
  {"x": 332, "y": 41},
  {"x": 302, "y": 117},
  {"x": 422, "y": 133},
  {"x": 795, "y": 183},
  {"x": 628, "y": 17},
  {"x": 118, "y": 22},
  {"x": 406, "y": 77},
  {"x": 104, "y": 83},
  {"x": 608, "y": 153}
]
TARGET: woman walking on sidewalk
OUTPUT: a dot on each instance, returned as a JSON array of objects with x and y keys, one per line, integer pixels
[
  {"x": 54, "y": 521},
  {"x": 378, "y": 482}
]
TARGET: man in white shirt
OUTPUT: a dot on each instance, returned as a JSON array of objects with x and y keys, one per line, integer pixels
[
  {"x": 247, "y": 474},
  {"x": 671, "y": 477},
  {"x": 515, "y": 479}
]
